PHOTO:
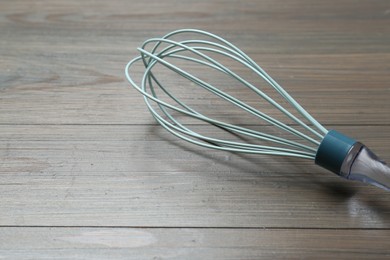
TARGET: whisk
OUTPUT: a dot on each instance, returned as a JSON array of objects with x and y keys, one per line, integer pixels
[{"x": 309, "y": 139}]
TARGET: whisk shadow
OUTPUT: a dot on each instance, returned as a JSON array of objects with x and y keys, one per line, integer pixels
[
  {"x": 336, "y": 189},
  {"x": 258, "y": 165},
  {"x": 252, "y": 165},
  {"x": 300, "y": 176}
]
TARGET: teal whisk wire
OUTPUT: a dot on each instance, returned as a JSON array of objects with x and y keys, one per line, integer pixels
[
  {"x": 330, "y": 149},
  {"x": 175, "y": 50}
]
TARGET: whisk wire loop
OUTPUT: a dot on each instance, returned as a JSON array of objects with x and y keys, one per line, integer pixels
[{"x": 178, "y": 50}]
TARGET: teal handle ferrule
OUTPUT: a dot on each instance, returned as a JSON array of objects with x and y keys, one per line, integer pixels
[{"x": 333, "y": 150}]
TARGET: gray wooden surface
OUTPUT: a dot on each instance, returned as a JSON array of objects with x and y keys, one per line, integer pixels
[{"x": 86, "y": 173}]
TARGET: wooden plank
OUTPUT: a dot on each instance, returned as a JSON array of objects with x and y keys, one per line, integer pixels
[
  {"x": 64, "y": 65},
  {"x": 86, "y": 173},
  {"x": 142, "y": 176},
  {"x": 143, "y": 243}
]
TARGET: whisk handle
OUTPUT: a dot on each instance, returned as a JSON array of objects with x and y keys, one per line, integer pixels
[
  {"x": 352, "y": 160},
  {"x": 332, "y": 151}
]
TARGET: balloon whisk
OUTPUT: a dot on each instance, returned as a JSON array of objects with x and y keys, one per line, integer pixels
[{"x": 297, "y": 134}]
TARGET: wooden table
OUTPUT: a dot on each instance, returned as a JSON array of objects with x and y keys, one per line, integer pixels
[{"x": 85, "y": 172}]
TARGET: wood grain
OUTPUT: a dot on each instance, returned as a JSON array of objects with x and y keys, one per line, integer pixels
[
  {"x": 85, "y": 172},
  {"x": 335, "y": 63},
  {"x": 141, "y": 243},
  {"x": 63, "y": 175}
]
